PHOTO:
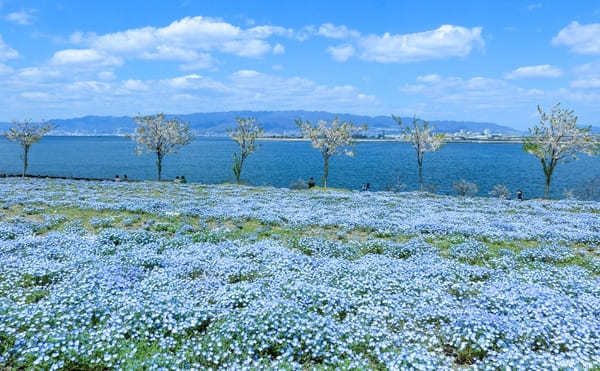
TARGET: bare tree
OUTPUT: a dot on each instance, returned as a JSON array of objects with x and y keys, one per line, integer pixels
[
  {"x": 244, "y": 135},
  {"x": 156, "y": 134},
  {"x": 26, "y": 133},
  {"x": 557, "y": 139},
  {"x": 422, "y": 138},
  {"x": 465, "y": 188},
  {"x": 330, "y": 138}
]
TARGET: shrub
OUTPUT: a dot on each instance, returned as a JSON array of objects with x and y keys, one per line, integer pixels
[
  {"x": 500, "y": 191},
  {"x": 465, "y": 188},
  {"x": 298, "y": 184}
]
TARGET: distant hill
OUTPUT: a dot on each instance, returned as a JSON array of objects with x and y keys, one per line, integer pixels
[{"x": 274, "y": 122}]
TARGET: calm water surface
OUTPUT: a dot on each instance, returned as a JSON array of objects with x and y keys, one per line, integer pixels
[{"x": 209, "y": 160}]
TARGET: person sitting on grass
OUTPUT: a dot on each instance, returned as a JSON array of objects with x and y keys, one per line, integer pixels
[
  {"x": 183, "y": 180},
  {"x": 117, "y": 179},
  {"x": 311, "y": 182}
]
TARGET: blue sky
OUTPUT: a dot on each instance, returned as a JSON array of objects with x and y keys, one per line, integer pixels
[{"x": 459, "y": 60}]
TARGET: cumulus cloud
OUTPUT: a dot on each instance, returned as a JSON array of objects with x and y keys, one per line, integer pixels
[
  {"x": 6, "y": 52},
  {"x": 184, "y": 39},
  {"x": 543, "y": 70},
  {"x": 22, "y": 17},
  {"x": 587, "y": 76},
  {"x": 201, "y": 62},
  {"x": 305, "y": 33},
  {"x": 341, "y": 53},
  {"x": 581, "y": 39},
  {"x": 190, "y": 40},
  {"x": 84, "y": 57},
  {"x": 443, "y": 42},
  {"x": 336, "y": 32},
  {"x": 475, "y": 98},
  {"x": 243, "y": 89}
]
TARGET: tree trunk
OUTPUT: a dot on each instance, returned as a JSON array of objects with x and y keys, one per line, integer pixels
[
  {"x": 325, "y": 170},
  {"x": 421, "y": 184},
  {"x": 238, "y": 173},
  {"x": 420, "y": 169},
  {"x": 548, "y": 170},
  {"x": 25, "y": 159},
  {"x": 159, "y": 165}
]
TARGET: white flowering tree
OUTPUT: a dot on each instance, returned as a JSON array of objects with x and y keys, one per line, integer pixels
[
  {"x": 422, "y": 138},
  {"x": 26, "y": 133},
  {"x": 557, "y": 139},
  {"x": 155, "y": 134},
  {"x": 330, "y": 138},
  {"x": 244, "y": 135}
]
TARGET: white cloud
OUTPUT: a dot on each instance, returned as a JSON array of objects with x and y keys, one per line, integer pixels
[
  {"x": 431, "y": 78},
  {"x": 543, "y": 70},
  {"x": 22, "y": 17},
  {"x": 250, "y": 48},
  {"x": 476, "y": 98},
  {"x": 278, "y": 49},
  {"x": 581, "y": 39},
  {"x": 84, "y": 57},
  {"x": 590, "y": 83},
  {"x": 135, "y": 85},
  {"x": 443, "y": 42},
  {"x": 185, "y": 40},
  {"x": 305, "y": 33},
  {"x": 336, "y": 32},
  {"x": 166, "y": 52},
  {"x": 243, "y": 90},
  {"x": 6, "y": 52},
  {"x": 587, "y": 76},
  {"x": 106, "y": 75},
  {"x": 534, "y": 6},
  {"x": 202, "y": 61},
  {"x": 591, "y": 68},
  {"x": 341, "y": 53}
]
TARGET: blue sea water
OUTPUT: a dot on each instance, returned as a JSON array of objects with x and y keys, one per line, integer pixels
[{"x": 278, "y": 163}]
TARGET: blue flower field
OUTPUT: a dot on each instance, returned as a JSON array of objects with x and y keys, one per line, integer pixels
[{"x": 104, "y": 275}]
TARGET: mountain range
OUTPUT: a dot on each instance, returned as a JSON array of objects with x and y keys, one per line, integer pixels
[{"x": 273, "y": 122}]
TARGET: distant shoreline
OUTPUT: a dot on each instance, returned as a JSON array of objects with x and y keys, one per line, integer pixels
[{"x": 297, "y": 139}]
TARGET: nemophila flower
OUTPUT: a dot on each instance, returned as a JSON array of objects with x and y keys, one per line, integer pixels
[
  {"x": 470, "y": 251},
  {"x": 547, "y": 254},
  {"x": 348, "y": 296}
]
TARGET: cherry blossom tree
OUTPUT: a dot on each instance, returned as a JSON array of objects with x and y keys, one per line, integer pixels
[
  {"x": 26, "y": 133},
  {"x": 422, "y": 138},
  {"x": 330, "y": 138},
  {"x": 156, "y": 134},
  {"x": 244, "y": 135},
  {"x": 557, "y": 139}
]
